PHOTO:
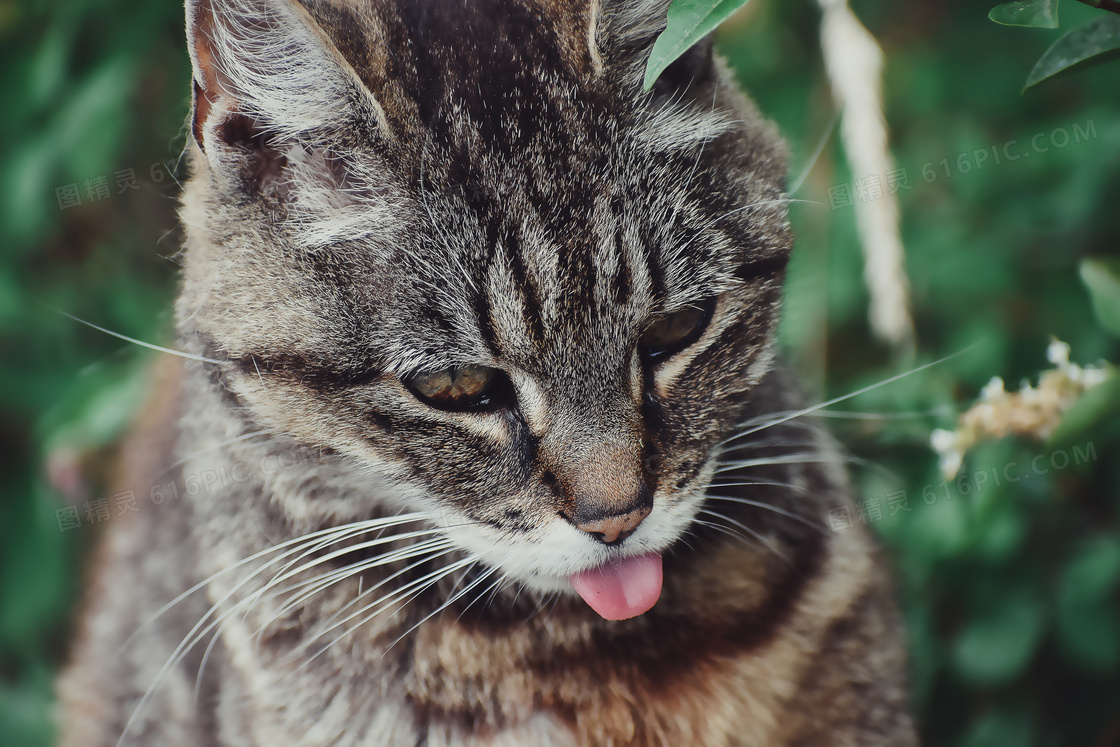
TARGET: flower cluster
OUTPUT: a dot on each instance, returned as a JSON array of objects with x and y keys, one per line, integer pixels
[{"x": 1033, "y": 412}]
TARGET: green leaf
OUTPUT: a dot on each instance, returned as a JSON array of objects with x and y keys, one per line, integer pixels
[
  {"x": 1093, "y": 39},
  {"x": 1003, "y": 727},
  {"x": 996, "y": 646},
  {"x": 1088, "y": 616},
  {"x": 1099, "y": 405},
  {"x": 34, "y": 569},
  {"x": 98, "y": 407},
  {"x": 1094, "y": 572},
  {"x": 1102, "y": 277},
  {"x": 689, "y": 21},
  {"x": 26, "y": 708},
  {"x": 1039, "y": 14}
]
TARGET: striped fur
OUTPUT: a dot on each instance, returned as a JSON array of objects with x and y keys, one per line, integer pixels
[{"x": 388, "y": 187}]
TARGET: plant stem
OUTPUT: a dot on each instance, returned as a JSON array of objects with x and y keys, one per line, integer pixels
[{"x": 1109, "y": 5}]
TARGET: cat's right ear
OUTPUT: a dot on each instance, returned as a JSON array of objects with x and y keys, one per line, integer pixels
[{"x": 265, "y": 75}]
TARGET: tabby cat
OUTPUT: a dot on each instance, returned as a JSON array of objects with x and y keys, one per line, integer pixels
[{"x": 480, "y": 438}]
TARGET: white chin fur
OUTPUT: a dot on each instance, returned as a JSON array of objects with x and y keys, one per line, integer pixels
[{"x": 543, "y": 559}]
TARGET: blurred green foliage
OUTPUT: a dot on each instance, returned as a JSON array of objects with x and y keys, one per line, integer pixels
[
  {"x": 1010, "y": 589},
  {"x": 91, "y": 88},
  {"x": 1041, "y": 14},
  {"x": 1088, "y": 43},
  {"x": 687, "y": 22}
]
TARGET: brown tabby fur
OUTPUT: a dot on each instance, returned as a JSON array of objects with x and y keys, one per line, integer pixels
[{"x": 386, "y": 187}]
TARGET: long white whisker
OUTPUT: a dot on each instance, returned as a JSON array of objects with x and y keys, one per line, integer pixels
[
  {"x": 768, "y": 507},
  {"x": 802, "y": 425},
  {"x": 493, "y": 592},
  {"x": 141, "y": 343},
  {"x": 322, "y": 582},
  {"x": 294, "y": 566},
  {"x": 771, "y": 483},
  {"x": 194, "y": 635},
  {"x": 808, "y": 167},
  {"x": 771, "y": 443},
  {"x": 747, "y": 529},
  {"x": 516, "y": 596},
  {"x": 450, "y": 600},
  {"x": 730, "y": 532},
  {"x": 285, "y": 573},
  {"x": 688, "y": 180},
  {"x": 411, "y": 590},
  {"x": 760, "y": 203},
  {"x": 292, "y": 570},
  {"x": 862, "y": 390},
  {"x": 846, "y": 415},
  {"x": 383, "y": 602},
  {"x": 436, "y": 554},
  {"x": 440, "y": 551},
  {"x": 341, "y": 531},
  {"x": 800, "y": 458},
  {"x": 246, "y": 605}
]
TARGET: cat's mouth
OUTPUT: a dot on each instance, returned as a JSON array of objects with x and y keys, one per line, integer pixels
[
  {"x": 622, "y": 588},
  {"x": 617, "y": 583}
]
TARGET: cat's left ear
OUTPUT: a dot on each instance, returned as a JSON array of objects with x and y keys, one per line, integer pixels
[
  {"x": 622, "y": 35},
  {"x": 265, "y": 72}
]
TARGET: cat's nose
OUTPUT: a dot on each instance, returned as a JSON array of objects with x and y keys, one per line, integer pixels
[
  {"x": 601, "y": 487},
  {"x": 612, "y": 529}
]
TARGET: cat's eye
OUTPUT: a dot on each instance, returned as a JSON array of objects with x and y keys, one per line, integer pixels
[
  {"x": 460, "y": 388},
  {"x": 674, "y": 332}
]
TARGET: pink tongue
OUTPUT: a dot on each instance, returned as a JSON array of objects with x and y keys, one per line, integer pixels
[{"x": 622, "y": 589}]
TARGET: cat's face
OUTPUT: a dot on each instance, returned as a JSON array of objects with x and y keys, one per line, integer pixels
[{"x": 461, "y": 249}]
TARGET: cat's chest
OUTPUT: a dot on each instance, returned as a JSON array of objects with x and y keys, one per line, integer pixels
[
  {"x": 349, "y": 717},
  {"x": 395, "y": 724},
  {"x": 540, "y": 730}
]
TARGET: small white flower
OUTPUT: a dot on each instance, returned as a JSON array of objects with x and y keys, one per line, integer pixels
[
  {"x": 950, "y": 464},
  {"x": 1031, "y": 411},
  {"x": 1058, "y": 353},
  {"x": 1092, "y": 376},
  {"x": 942, "y": 440},
  {"x": 992, "y": 389}
]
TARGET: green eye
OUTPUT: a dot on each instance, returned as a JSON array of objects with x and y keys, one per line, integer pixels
[
  {"x": 674, "y": 332},
  {"x": 459, "y": 388}
]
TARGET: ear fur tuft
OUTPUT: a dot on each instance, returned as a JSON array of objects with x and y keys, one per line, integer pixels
[
  {"x": 265, "y": 73},
  {"x": 625, "y": 31}
]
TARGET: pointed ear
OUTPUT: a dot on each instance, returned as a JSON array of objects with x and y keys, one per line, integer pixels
[
  {"x": 266, "y": 74},
  {"x": 628, "y": 23},
  {"x": 625, "y": 31}
]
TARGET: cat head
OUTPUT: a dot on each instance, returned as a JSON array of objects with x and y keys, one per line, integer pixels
[{"x": 457, "y": 245}]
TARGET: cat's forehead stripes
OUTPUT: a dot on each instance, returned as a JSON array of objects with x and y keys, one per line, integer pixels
[
  {"x": 506, "y": 65},
  {"x": 528, "y": 201},
  {"x": 417, "y": 56},
  {"x": 561, "y": 198}
]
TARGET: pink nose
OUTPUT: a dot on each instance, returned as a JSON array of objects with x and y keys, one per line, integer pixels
[{"x": 615, "y": 528}]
